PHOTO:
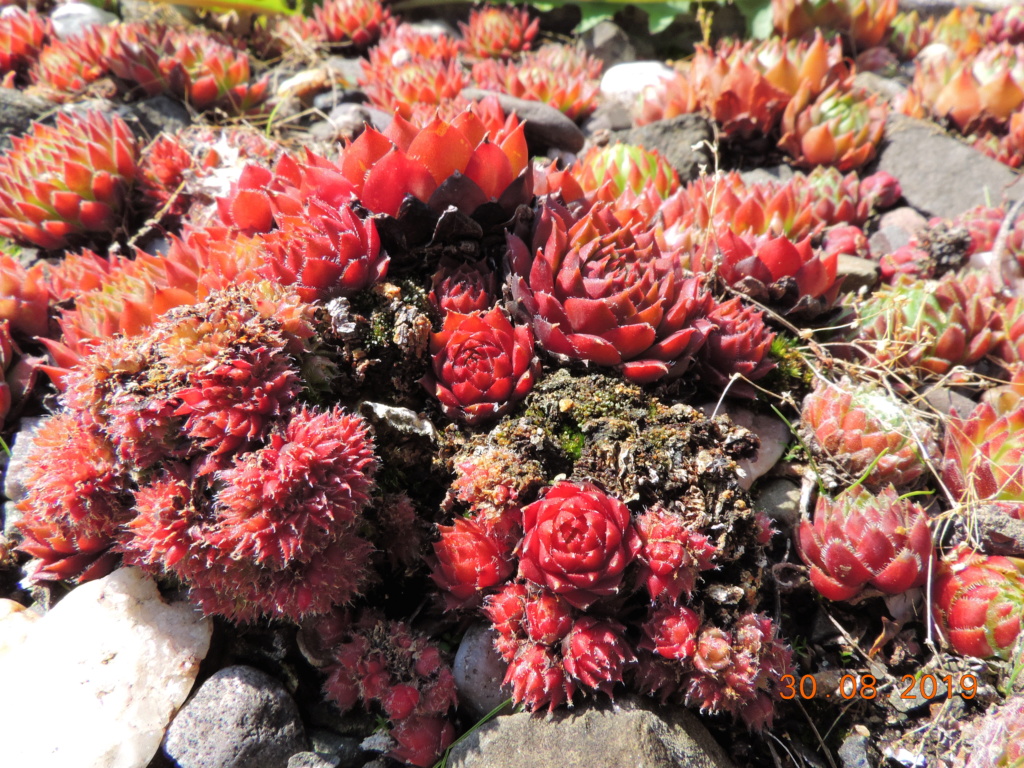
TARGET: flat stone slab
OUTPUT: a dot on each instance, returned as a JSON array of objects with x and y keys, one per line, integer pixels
[
  {"x": 941, "y": 175},
  {"x": 609, "y": 736}
]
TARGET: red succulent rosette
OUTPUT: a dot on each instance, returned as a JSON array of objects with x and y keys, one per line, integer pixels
[
  {"x": 599, "y": 292},
  {"x": 470, "y": 558},
  {"x": 672, "y": 555},
  {"x": 578, "y": 542},
  {"x": 595, "y": 653},
  {"x": 772, "y": 269},
  {"x": 860, "y": 540},
  {"x": 978, "y": 603},
  {"x": 482, "y": 365},
  {"x": 463, "y": 287},
  {"x": 671, "y": 632}
]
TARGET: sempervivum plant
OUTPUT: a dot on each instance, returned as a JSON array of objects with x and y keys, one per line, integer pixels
[
  {"x": 77, "y": 502},
  {"x": 385, "y": 664},
  {"x": 62, "y": 183},
  {"x": 769, "y": 269},
  {"x": 577, "y": 542},
  {"x": 866, "y": 430},
  {"x": 356, "y": 23},
  {"x": 498, "y": 33},
  {"x": 597, "y": 292},
  {"x": 604, "y": 173},
  {"x": 972, "y": 90},
  {"x": 199, "y": 67},
  {"x": 866, "y": 22},
  {"x": 463, "y": 287},
  {"x": 842, "y": 127},
  {"x": 978, "y": 603},
  {"x": 929, "y": 326},
  {"x": 672, "y": 555},
  {"x": 732, "y": 84},
  {"x": 466, "y": 163},
  {"x": 1006, "y": 25},
  {"x": 22, "y": 34},
  {"x": 983, "y": 455},
  {"x": 24, "y": 302},
  {"x": 997, "y": 739},
  {"x": 557, "y": 75},
  {"x": 739, "y": 671},
  {"x": 735, "y": 352},
  {"x": 861, "y": 539},
  {"x": 482, "y": 365}
]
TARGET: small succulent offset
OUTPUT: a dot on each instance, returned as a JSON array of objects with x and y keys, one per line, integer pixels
[
  {"x": 384, "y": 663},
  {"x": 862, "y": 539},
  {"x": 482, "y": 365}
]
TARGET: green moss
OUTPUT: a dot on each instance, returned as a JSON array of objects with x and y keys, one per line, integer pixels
[{"x": 572, "y": 440}]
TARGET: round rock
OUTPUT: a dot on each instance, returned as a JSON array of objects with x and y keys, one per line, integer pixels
[
  {"x": 627, "y": 81},
  {"x": 240, "y": 718},
  {"x": 479, "y": 671}
]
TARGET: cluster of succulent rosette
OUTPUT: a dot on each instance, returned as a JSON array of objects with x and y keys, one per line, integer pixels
[{"x": 268, "y": 409}]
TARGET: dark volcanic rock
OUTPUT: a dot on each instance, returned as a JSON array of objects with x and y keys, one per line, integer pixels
[
  {"x": 240, "y": 718},
  {"x": 940, "y": 175},
  {"x": 675, "y": 138}
]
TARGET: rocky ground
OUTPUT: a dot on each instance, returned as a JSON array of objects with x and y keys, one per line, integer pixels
[{"x": 124, "y": 671}]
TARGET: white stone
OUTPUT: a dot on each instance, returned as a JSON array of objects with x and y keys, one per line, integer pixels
[
  {"x": 72, "y": 19},
  {"x": 627, "y": 81},
  {"x": 15, "y": 623},
  {"x": 98, "y": 678}
]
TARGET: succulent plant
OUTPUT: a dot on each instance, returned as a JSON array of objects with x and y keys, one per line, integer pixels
[
  {"x": 739, "y": 672},
  {"x": 983, "y": 455},
  {"x": 463, "y": 287},
  {"x": 973, "y": 90},
  {"x": 496, "y": 32},
  {"x": 775, "y": 270},
  {"x": 323, "y": 253},
  {"x": 62, "y": 183},
  {"x": 594, "y": 291},
  {"x": 734, "y": 88},
  {"x": 666, "y": 99},
  {"x": 22, "y": 34},
  {"x": 736, "y": 350},
  {"x": 482, "y": 365},
  {"x": 997, "y": 739},
  {"x": 672, "y": 556},
  {"x": 595, "y": 653},
  {"x": 470, "y": 559},
  {"x": 355, "y": 23},
  {"x": 604, "y": 173},
  {"x": 385, "y": 663},
  {"x": 557, "y": 75},
  {"x": 537, "y": 677},
  {"x": 842, "y": 127},
  {"x": 1006, "y": 25},
  {"x": 978, "y": 603},
  {"x": 928, "y": 327},
  {"x": 671, "y": 632},
  {"x": 24, "y": 302},
  {"x": 65, "y": 68},
  {"x": 862, "y": 539},
  {"x": 77, "y": 502},
  {"x": 400, "y": 87},
  {"x": 577, "y": 541},
  {"x": 196, "y": 66},
  {"x": 866, "y": 22},
  {"x": 862, "y": 428}
]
